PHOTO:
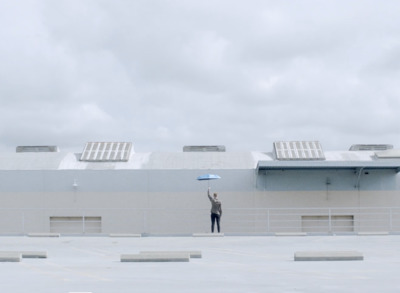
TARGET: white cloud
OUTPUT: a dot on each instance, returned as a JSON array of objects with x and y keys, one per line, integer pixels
[{"x": 164, "y": 74}]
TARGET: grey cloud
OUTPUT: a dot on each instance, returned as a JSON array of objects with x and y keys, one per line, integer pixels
[{"x": 164, "y": 74}]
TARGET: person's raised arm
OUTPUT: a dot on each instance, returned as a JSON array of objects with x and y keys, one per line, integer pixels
[{"x": 208, "y": 193}]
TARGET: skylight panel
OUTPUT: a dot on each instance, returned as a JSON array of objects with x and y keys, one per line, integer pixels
[
  {"x": 298, "y": 150},
  {"x": 106, "y": 152}
]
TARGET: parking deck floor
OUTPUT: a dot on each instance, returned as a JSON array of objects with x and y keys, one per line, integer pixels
[{"x": 228, "y": 264}]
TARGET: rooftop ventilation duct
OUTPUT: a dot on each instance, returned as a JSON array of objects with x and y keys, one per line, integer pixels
[
  {"x": 204, "y": 148},
  {"x": 37, "y": 149},
  {"x": 371, "y": 147}
]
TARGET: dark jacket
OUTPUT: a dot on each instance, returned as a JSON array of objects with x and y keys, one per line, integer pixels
[{"x": 216, "y": 206}]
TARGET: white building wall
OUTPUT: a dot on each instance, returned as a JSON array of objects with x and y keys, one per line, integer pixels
[
  {"x": 188, "y": 212},
  {"x": 172, "y": 201}
]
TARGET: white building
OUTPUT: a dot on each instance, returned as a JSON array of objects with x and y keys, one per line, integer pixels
[{"x": 108, "y": 188}]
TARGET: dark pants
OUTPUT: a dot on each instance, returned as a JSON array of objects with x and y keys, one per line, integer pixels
[{"x": 214, "y": 217}]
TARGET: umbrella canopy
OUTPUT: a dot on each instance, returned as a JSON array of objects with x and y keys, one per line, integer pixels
[{"x": 208, "y": 177}]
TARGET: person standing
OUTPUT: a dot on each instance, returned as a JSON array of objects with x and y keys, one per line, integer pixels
[{"x": 216, "y": 210}]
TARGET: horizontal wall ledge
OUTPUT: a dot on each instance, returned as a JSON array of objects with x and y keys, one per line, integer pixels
[
  {"x": 290, "y": 234},
  {"x": 125, "y": 235},
  {"x": 44, "y": 234},
  {"x": 372, "y": 233},
  {"x": 208, "y": 235}
]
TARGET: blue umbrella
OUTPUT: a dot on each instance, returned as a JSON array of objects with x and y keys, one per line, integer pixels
[{"x": 208, "y": 177}]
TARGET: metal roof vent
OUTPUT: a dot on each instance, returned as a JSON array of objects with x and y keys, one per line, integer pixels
[
  {"x": 389, "y": 154},
  {"x": 204, "y": 148},
  {"x": 371, "y": 147},
  {"x": 37, "y": 149}
]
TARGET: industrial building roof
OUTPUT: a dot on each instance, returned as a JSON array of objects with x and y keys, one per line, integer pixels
[
  {"x": 389, "y": 159},
  {"x": 155, "y": 160}
]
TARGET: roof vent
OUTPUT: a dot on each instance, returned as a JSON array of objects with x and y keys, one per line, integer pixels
[
  {"x": 298, "y": 150},
  {"x": 371, "y": 147},
  {"x": 389, "y": 154},
  {"x": 37, "y": 149},
  {"x": 106, "y": 152},
  {"x": 204, "y": 148}
]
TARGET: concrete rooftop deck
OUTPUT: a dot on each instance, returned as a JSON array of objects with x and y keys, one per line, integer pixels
[{"x": 228, "y": 264}]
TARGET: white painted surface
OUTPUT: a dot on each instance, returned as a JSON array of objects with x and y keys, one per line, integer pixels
[{"x": 229, "y": 264}]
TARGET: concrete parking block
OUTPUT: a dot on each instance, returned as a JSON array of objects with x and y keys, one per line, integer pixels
[
  {"x": 156, "y": 257},
  {"x": 10, "y": 256},
  {"x": 327, "y": 255},
  {"x": 34, "y": 254}
]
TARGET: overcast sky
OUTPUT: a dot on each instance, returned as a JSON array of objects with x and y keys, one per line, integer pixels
[{"x": 164, "y": 74}]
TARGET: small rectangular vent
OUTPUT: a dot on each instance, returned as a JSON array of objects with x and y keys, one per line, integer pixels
[
  {"x": 106, "y": 152},
  {"x": 75, "y": 224},
  {"x": 371, "y": 147},
  {"x": 37, "y": 149},
  {"x": 204, "y": 148},
  {"x": 333, "y": 223}
]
